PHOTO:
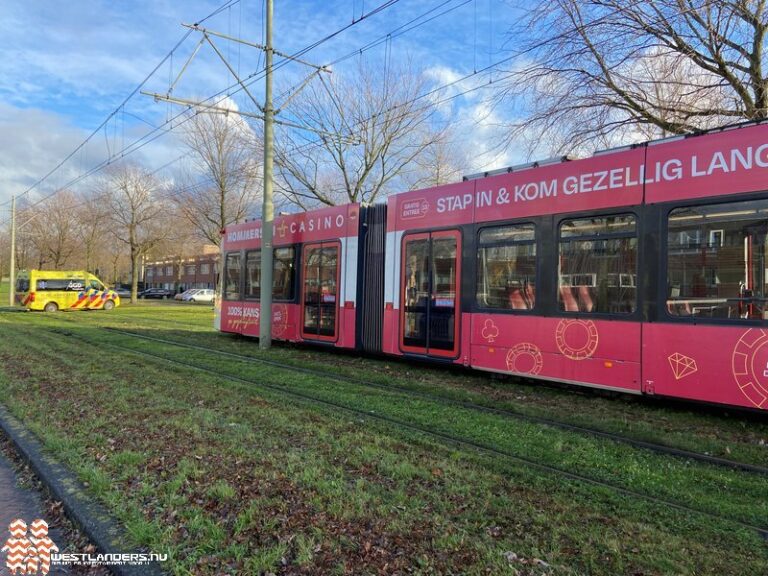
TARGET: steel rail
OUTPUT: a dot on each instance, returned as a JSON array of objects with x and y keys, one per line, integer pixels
[
  {"x": 643, "y": 444},
  {"x": 450, "y": 438},
  {"x": 512, "y": 414}
]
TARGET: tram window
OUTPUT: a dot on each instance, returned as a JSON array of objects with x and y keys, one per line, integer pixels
[
  {"x": 598, "y": 265},
  {"x": 253, "y": 274},
  {"x": 232, "y": 276},
  {"x": 506, "y": 267},
  {"x": 716, "y": 261},
  {"x": 283, "y": 274}
]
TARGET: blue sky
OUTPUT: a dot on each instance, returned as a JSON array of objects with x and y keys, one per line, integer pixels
[{"x": 65, "y": 70}]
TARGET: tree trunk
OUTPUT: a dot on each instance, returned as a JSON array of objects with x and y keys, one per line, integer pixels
[{"x": 134, "y": 275}]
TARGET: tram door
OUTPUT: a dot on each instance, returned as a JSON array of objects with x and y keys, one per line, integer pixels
[
  {"x": 320, "y": 302},
  {"x": 429, "y": 317}
]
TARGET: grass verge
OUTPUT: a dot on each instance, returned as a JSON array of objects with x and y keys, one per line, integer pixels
[{"x": 234, "y": 478}]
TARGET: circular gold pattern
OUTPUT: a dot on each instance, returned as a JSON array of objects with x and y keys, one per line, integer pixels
[
  {"x": 749, "y": 364},
  {"x": 524, "y": 359},
  {"x": 279, "y": 320},
  {"x": 582, "y": 335}
]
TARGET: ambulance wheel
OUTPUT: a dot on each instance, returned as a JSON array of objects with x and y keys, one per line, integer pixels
[
  {"x": 51, "y": 307},
  {"x": 108, "y": 305}
]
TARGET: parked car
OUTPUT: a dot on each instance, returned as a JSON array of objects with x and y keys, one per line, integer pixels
[
  {"x": 158, "y": 293},
  {"x": 183, "y": 295},
  {"x": 123, "y": 292},
  {"x": 202, "y": 295}
]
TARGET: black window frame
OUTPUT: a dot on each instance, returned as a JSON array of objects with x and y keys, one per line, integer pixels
[
  {"x": 476, "y": 305},
  {"x": 638, "y": 214},
  {"x": 294, "y": 276},
  {"x": 246, "y": 279},
  {"x": 224, "y": 292},
  {"x": 663, "y": 313}
]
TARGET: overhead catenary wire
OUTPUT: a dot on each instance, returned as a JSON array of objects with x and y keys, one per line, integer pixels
[
  {"x": 148, "y": 138},
  {"x": 151, "y": 137},
  {"x": 116, "y": 111}
]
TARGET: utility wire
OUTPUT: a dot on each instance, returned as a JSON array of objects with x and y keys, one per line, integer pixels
[
  {"x": 123, "y": 103},
  {"x": 257, "y": 75},
  {"x": 133, "y": 147}
]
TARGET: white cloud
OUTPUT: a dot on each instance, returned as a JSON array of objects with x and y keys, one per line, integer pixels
[
  {"x": 65, "y": 70},
  {"x": 33, "y": 143},
  {"x": 477, "y": 124}
]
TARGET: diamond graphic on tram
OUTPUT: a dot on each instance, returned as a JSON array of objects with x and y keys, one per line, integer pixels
[{"x": 682, "y": 365}]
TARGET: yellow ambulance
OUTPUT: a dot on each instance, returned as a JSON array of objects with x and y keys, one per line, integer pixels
[{"x": 52, "y": 290}]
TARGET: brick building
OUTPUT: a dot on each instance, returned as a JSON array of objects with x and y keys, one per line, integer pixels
[{"x": 179, "y": 274}]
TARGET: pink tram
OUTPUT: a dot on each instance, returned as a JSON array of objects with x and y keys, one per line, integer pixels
[{"x": 641, "y": 270}]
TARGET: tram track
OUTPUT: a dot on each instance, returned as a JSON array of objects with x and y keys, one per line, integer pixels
[
  {"x": 452, "y": 439},
  {"x": 512, "y": 414},
  {"x": 176, "y": 322},
  {"x": 504, "y": 412}
]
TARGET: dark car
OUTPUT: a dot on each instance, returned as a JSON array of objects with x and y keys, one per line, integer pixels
[{"x": 158, "y": 293}]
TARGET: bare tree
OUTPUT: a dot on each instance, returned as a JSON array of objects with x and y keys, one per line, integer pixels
[
  {"x": 53, "y": 230},
  {"x": 92, "y": 218},
  {"x": 594, "y": 71},
  {"x": 129, "y": 193},
  {"x": 441, "y": 162},
  {"x": 227, "y": 182},
  {"x": 371, "y": 126}
]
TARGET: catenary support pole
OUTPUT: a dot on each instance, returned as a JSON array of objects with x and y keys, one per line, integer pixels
[
  {"x": 267, "y": 211},
  {"x": 12, "y": 272}
]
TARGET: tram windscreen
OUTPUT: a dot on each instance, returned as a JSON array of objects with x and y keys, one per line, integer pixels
[{"x": 716, "y": 261}]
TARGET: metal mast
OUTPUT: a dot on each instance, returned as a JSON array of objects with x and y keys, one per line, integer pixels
[
  {"x": 12, "y": 273},
  {"x": 267, "y": 209},
  {"x": 269, "y": 112}
]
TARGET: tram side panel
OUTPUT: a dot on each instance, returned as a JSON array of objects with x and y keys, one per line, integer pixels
[
  {"x": 573, "y": 350},
  {"x": 554, "y": 298},
  {"x": 315, "y": 277},
  {"x": 710, "y": 341}
]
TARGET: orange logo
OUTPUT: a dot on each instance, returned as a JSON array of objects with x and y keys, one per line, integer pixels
[
  {"x": 525, "y": 358},
  {"x": 749, "y": 363},
  {"x": 29, "y": 555}
]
